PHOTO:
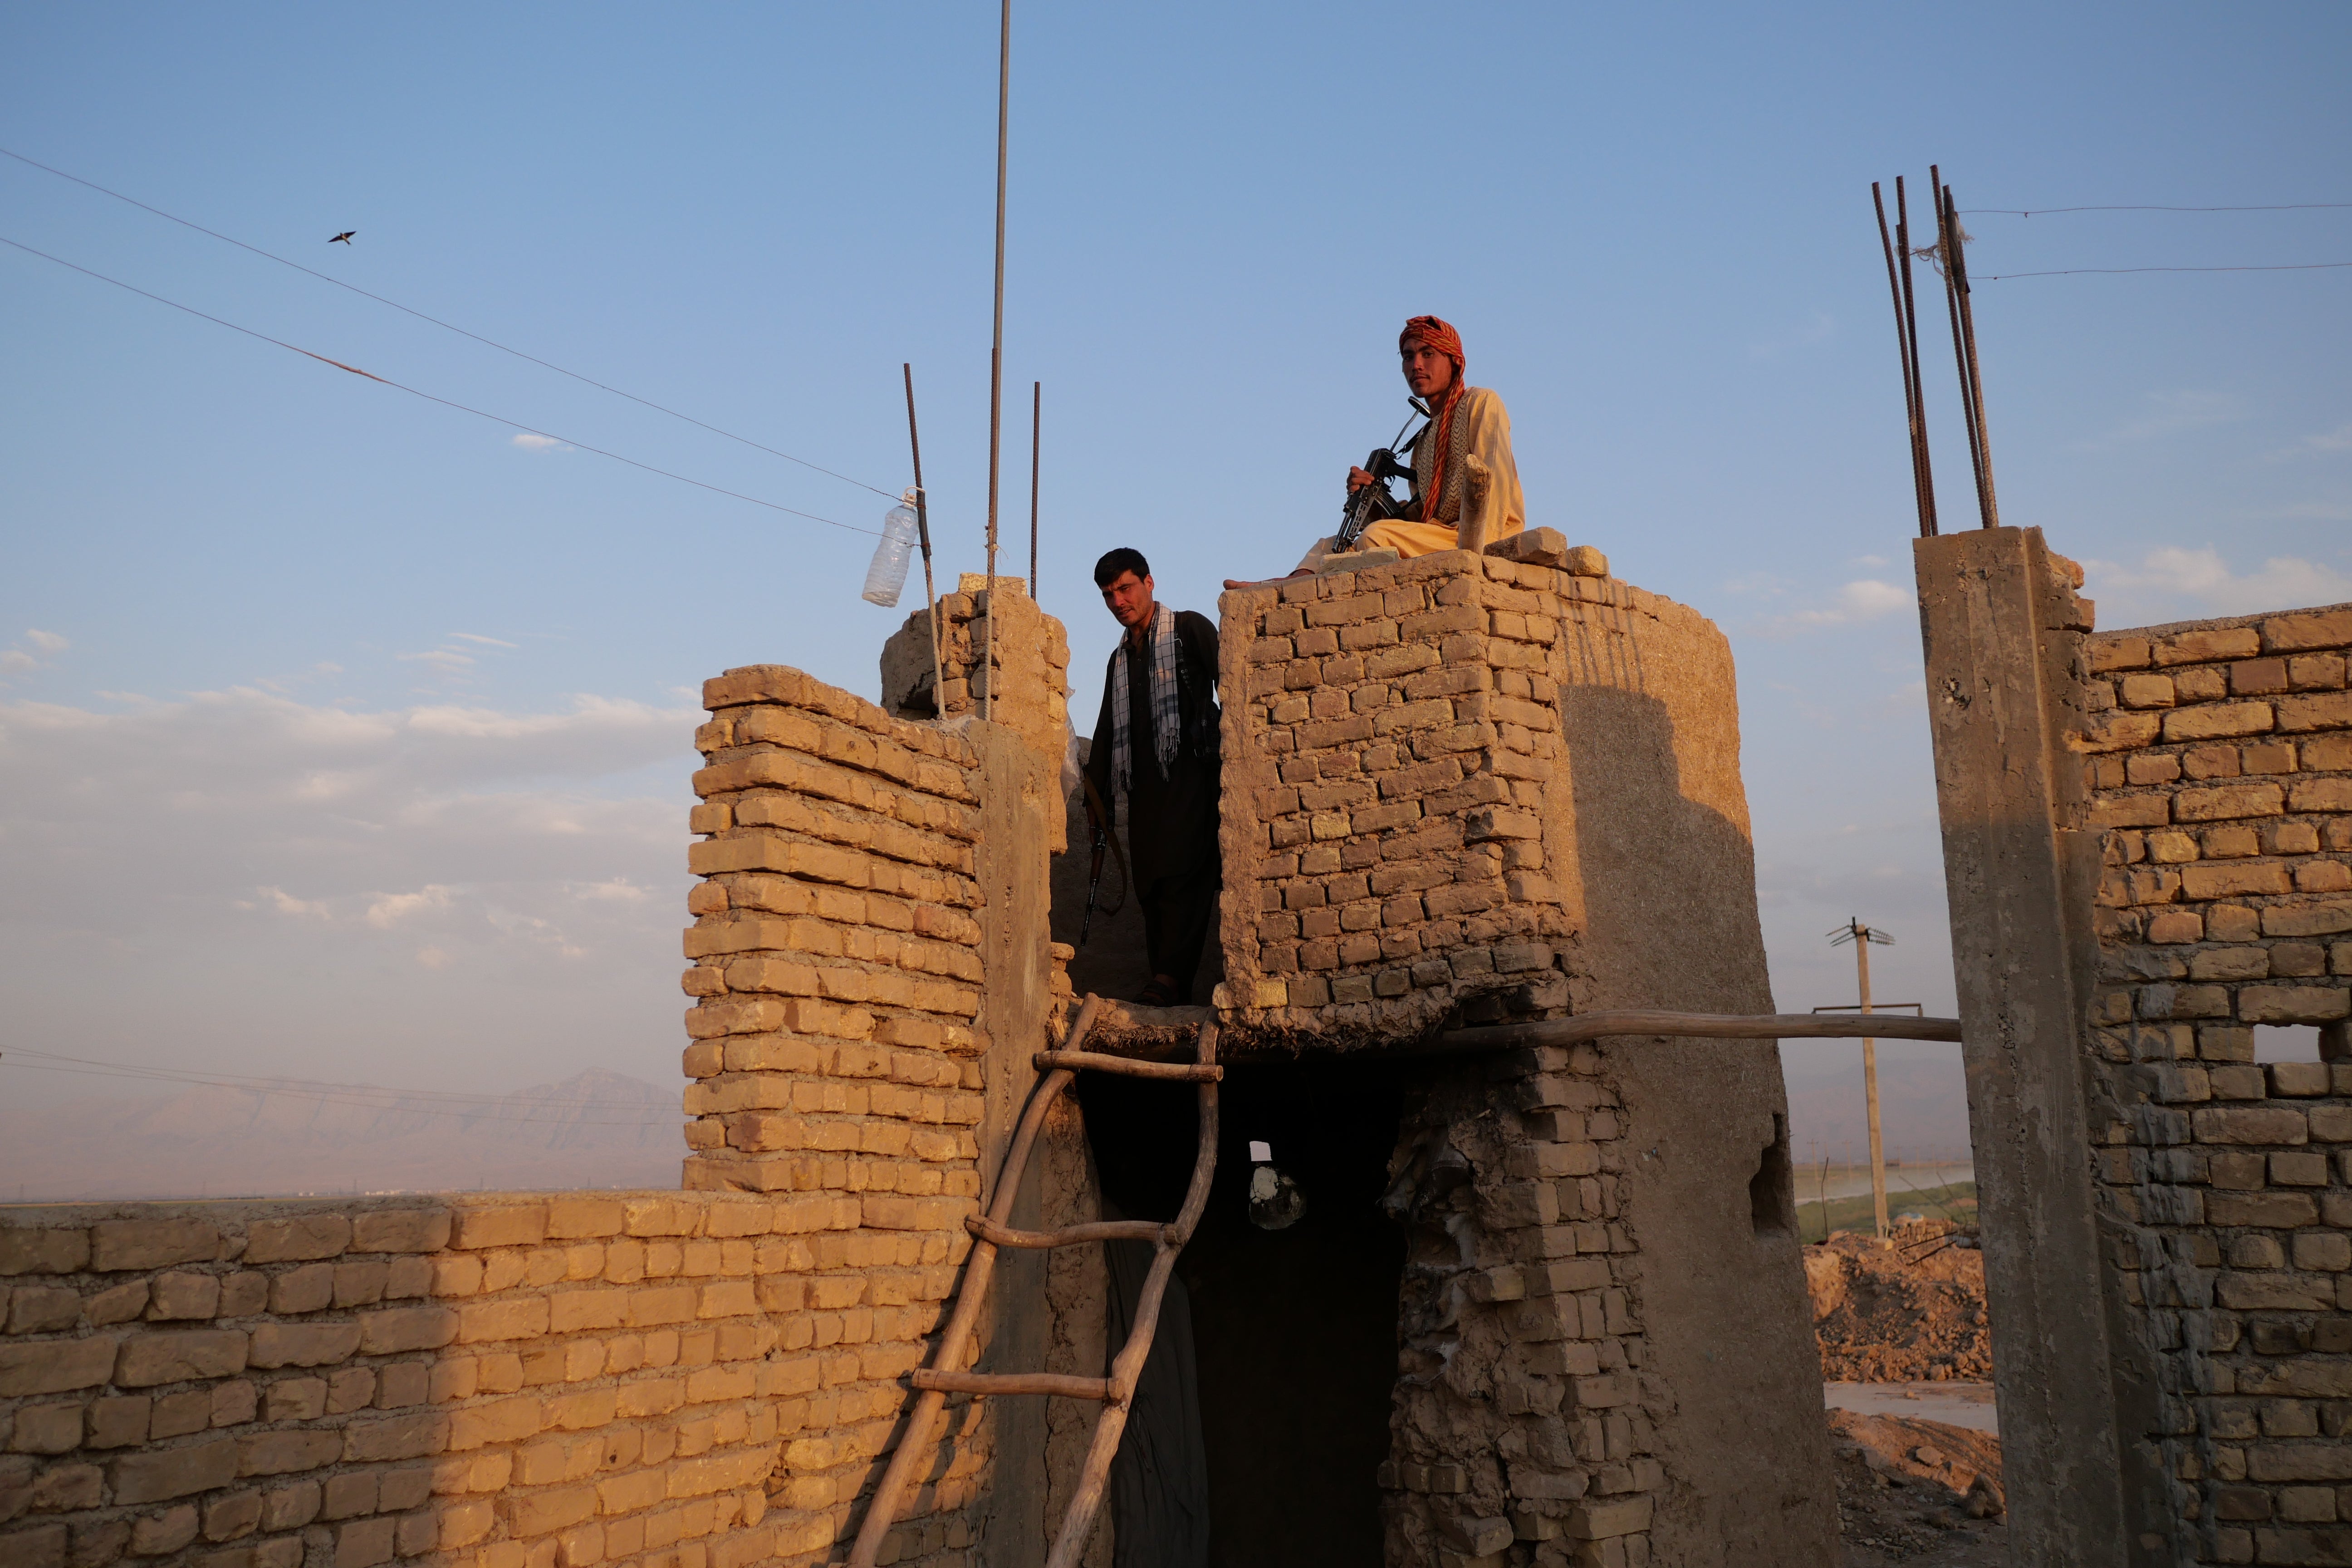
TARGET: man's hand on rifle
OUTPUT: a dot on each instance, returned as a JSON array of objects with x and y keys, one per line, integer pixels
[{"x": 1357, "y": 480}]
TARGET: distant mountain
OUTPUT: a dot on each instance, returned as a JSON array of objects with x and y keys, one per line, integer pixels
[{"x": 595, "y": 1129}]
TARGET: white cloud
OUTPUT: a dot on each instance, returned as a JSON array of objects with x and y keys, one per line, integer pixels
[
  {"x": 2169, "y": 582},
  {"x": 477, "y": 636},
  {"x": 389, "y": 909},
  {"x": 285, "y": 903},
  {"x": 529, "y": 442},
  {"x": 45, "y": 647},
  {"x": 618, "y": 890},
  {"x": 2174, "y": 413},
  {"x": 449, "y": 660},
  {"x": 2336, "y": 440},
  {"x": 539, "y": 853},
  {"x": 1864, "y": 599}
]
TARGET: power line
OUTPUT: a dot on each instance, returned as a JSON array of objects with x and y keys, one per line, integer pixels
[
  {"x": 2022, "y": 212},
  {"x": 429, "y": 398},
  {"x": 2080, "y": 271},
  {"x": 446, "y": 326}
]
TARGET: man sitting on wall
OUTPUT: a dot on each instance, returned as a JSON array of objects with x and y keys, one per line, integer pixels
[
  {"x": 1464, "y": 483},
  {"x": 1155, "y": 746}
]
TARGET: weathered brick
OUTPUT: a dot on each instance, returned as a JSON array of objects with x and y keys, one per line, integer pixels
[
  {"x": 2251, "y": 1124},
  {"x": 396, "y": 1438},
  {"x": 150, "y": 1359},
  {"x": 303, "y": 1344},
  {"x": 125, "y": 1243},
  {"x": 401, "y": 1230},
  {"x": 25, "y": 1249},
  {"x": 407, "y": 1329},
  {"x": 298, "y": 1239},
  {"x": 153, "y": 1475},
  {"x": 288, "y": 1453}
]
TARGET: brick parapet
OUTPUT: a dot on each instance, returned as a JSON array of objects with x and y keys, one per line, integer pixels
[
  {"x": 1398, "y": 833},
  {"x": 496, "y": 1379},
  {"x": 2219, "y": 761}
]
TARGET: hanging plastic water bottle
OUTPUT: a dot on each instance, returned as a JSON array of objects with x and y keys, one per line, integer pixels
[{"x": 887, "y": 575}]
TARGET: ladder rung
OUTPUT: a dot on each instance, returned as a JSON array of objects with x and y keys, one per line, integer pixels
[
  {"x": 1094, "y": 1061},
  {"x": 997, "y": 1235},
  {"x": 1012, "y": 1383}
]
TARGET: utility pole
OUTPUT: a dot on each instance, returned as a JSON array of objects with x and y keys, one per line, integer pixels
[{"x": 1862, "y": 936}]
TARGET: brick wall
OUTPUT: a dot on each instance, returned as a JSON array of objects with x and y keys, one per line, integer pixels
[
  {"x": 1400, "y": 821},
  {"x": 1393, "y": 730},
  {"x": 2220, "y": 767},
  {"x": 698, "y": 1379},
  {"x": 1521, "y": 1408},
  {"x": 495, "y": 1380}
]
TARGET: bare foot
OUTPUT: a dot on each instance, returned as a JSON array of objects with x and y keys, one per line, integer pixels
[{"x": 1262, "y": 581}]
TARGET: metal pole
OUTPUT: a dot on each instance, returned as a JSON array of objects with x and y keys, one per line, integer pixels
[
  {"x": 996, "y": 362},
  {"x": 1036, "y": 418},
  {"x": 1911, "y": 345},
  {"x": 923, "y": 531},
  {"x": 1946, "y": 242},
  {"x": 1922, "y": 493},
  {"x": 1870, "y": 1081},
  {"x": 1957, "y": 261}
]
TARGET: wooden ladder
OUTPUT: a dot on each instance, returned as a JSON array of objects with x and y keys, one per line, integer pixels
[{"x": 945, "y": 1375}]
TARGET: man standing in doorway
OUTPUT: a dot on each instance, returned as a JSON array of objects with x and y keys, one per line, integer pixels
[{"x": 1155, "y": 748}]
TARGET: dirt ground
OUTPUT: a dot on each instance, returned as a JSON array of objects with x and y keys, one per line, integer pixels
[
  {"x": 1911, "y": 1313},
  {"x": 1918, "y": 1494}
]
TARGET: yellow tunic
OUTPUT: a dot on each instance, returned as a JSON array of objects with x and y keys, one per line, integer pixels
[{"x": 1481, "y": 428}]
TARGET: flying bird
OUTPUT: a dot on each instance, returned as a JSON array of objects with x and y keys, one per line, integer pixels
[{"x": 344, "y": 237}]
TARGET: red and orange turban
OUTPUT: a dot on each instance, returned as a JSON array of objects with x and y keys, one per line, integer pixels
[{"x": 1439, "y": 335}]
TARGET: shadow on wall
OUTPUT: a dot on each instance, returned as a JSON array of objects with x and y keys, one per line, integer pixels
[
  {"x": 1669, "y": 921},
  {"x": 1667, "y": 898}
]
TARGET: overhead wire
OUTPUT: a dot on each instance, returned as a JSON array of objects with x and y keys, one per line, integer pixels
[
  {"x": 2028, "y": 212},
  {"x": 2075, "y": 272},
  {"x": 446, "y": 326},
  {"x": 430, "y": 397}
]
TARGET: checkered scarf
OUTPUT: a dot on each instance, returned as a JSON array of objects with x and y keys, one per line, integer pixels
[{"x": 1167, "y": 718}]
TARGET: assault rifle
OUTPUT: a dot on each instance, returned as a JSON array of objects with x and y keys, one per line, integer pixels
[
  {"x": 1370, "y": 504},
  {"x": 1105, "y": 838}
]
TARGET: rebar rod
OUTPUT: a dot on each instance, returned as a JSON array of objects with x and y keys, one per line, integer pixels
[
  {"x": 1036, "y": 418},
  {"x": 1946, "y": 242},
  {"x": 996, "y": 362},
  {"x": 1922, "y": 495},
  {"x": 1957, "y": 261},
  {"x": 923, "y": 532},
  {"x": 1911, "y": 338}
]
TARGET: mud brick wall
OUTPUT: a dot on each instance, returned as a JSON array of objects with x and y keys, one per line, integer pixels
[
  {"x": 1522, "y": 1410},
  {"x": 1427, "y": 766},
  {"x": 497, "y": 1380},
  {"x": 838, "y": 1041},
  {"x": 2220, "y": 764},
  {"x": 1393, "y": 730},
  {"x": 1031, "y": 666}
]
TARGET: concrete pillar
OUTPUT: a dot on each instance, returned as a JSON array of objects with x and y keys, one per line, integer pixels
[{"x": 2002, "y": 630}]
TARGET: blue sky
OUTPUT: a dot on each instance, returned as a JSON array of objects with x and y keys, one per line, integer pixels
[{"x": 416, "y": 696}]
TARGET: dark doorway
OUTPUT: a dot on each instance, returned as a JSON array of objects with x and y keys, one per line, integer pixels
[{"x": 1295, "y": 1330}]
